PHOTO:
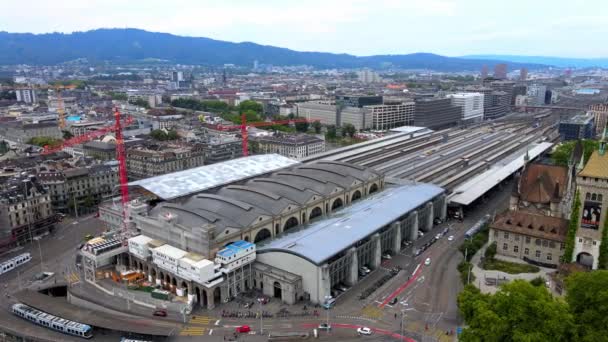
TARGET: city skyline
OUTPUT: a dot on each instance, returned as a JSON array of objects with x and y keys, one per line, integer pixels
[{"x": 451, "y": 28}]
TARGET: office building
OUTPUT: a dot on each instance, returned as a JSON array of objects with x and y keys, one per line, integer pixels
[
  {"x": 329, "y": 114},
  {"x": 100, "y": 150},
  {"x": 26, "y": 95},
  {"x": 392, "y": 115},
  {"x": 518, "y": 89},
  {"x": 581, "y": 126},
  {"x": 592, "y": 182},
  {"x": 499, "y": 106},
  {"x": 436, "y": 113},
  {"x": 221, "y": 147},
  {"x": 359, "y": 101},
  {"x": 25, "y": 211},
  {"x": 600, "y": 114},
  {"x": 295, "y": 146},
  {"x": 471, "y": 104},
  {"x": 506, "y": 86},
  {"x": 368, "y": 76},
  {"x": 500, "y": 71},
  {"x": 155, "y": 160},
  {"x": 523, "y": 74},
  {"x": 487, "y": 95},
  {"x": 536, "y": 94}
]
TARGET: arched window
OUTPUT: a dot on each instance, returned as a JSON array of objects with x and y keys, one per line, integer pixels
[
  {"x": 599, "y": 197},
  {"x": 588, "y": 196},
  {"x": 594, "y": 197}
]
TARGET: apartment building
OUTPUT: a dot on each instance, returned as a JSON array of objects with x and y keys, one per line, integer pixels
[
  {"x": 388, "y": 116},
  {"x": 155, "y": 160}
]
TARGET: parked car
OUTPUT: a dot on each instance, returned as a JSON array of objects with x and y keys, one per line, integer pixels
[
  {"x": 342, "y": 287},
  {"x": 364, "y": 331},
  {"x": 366, "y": 269},
  {"x": 386, "y": 256},
  {"x": 445, "y": 231},
  {"x": 394, "y": 301},
  {"x": 325, "y": 326},
  {"x": 417, "y": 252},
  {"x": 420, "y": 234},
  {"x": 451, "y": 237},
  {"x": 438, "y": 236},
  {"x": 243, "y": 329},
  {"x": 427, "y": 261},
  {"x": 160, "y": 313}
]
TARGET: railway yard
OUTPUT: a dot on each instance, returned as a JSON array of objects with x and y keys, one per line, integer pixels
[{"x": 450, "y": 157}]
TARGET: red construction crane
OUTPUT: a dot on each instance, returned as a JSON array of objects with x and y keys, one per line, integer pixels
[
  {"x": 120, "y": 156},
  {"x": 244, "y": 124}
]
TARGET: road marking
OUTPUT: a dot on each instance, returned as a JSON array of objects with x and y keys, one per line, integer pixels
[
  {"x": 211, "y": 332},
  {"x": 201, "y": 320},
  {"x": 217, "y": 322},
  {"x": 402, "y": 287}
]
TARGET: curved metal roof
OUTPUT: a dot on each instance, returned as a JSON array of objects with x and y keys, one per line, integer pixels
[{"x": 324, "y": 239}]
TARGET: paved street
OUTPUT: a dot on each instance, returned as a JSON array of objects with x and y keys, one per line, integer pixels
[{"x": 426, "y": 295}]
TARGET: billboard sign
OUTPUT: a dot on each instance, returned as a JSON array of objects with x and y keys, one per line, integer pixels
[{"x": 591, "y": 215}]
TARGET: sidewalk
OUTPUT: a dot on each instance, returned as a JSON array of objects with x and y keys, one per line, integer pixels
[{"x": 481, "y": 274}]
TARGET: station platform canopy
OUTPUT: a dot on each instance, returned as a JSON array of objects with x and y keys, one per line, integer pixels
[
  {"x": 475, "y": 187},
  {"x": 191, "y": 181}
]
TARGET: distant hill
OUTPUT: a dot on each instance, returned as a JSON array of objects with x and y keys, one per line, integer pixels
[
  {"x": 129, "y": 45},
  {"x": 555, "y": 61}
]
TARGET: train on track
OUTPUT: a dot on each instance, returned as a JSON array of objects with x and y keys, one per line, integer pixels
[
  {"x": 14, "y": 262},
  {"x": 52, "y": 322}
]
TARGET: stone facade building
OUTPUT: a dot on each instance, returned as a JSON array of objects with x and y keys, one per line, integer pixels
[
  {"x": 156, "y": 160},
  {"x": 25, "y": 211},
  {"x": 296, "y": 146}
]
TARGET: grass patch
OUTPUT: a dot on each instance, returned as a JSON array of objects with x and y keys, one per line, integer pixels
[{"x": 508, "y": 267}]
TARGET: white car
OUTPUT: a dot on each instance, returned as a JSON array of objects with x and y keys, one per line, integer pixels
[
  {"x": 438, "y": 236},
  {"x": 451, "y": 237},
  {"x": 364, "y": 331},
  {"x": 427, "y": 261},
  {"x": 386, "y": 256}
]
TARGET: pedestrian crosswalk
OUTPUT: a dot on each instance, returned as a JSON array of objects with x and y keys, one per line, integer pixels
[
  {"x": 203, "y": 320},
  {"x": 193, "y": 331}
]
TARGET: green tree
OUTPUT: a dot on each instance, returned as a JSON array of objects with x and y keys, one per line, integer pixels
[
  {"x": 490, "y": 251},
  {"x": 140, "y": 102},
  {"x": 250, "y": 105},
  {"x": 250, "y": 116},
  {"x": 587, "y": 296},
  {"x": 8, "y": 95},
  {"x": 172, "y": 135},
  {"x": 603, "y": 258},
  {"x": 519, "y": 311},
  {"x": 348, "y": 130},
  {"x": 572, "y": 227},
  {"x": 44, "y": 141},
  {"x": 331, "y": 132},
  {"x": 89, "y": 202},
  {"x": 302, "y": 126},
  {"x": 118, "y": 96},
  {"x": 316, "y": 125},
  {"x": 159, "y": 134},
  {"x": 67, "y": 134},
  {"x": 561, "y": 154}
]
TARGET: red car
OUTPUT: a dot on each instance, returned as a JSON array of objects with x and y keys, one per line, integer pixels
[
  {"x": 160, "y": 313},
  {"x": 243, "y": 329}
]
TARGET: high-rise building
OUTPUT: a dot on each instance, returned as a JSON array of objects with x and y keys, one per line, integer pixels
[
  {"x": 499, "y": 106},
  {"x": 523, "y": 74},
  {"x": 177, "y": 76},
  {"x": 500, "y": 71},
  {"x": 368, "y": 76},
  {"x": 471, "y": 104},
  {"x": 26, "y": 95},
  {"x": 506, "y": 86},
  {"x": 436, "y": 113},
  {"x": 600, "y": 114},
  {"x": 484, "y": 72},
  {"x": 537, "y": 93}
]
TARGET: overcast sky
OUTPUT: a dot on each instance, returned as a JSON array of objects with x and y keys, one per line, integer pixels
[{"x": 570, "y": 28}]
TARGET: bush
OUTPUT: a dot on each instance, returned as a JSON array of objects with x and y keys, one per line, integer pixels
[
  {"x": 464, "y": 268},
  {"x": 490, "y": 251},
  {"x": 538, "y": 281},
  {"x": 508, "y": 267}
]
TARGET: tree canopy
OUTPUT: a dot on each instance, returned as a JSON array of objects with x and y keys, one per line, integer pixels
[
  {"x": 562, "y": 153},
  {"x": 250, "y": 105},
  {"x": 587, "y": 296},
  {"x": 348, "y": 130},
  {"x": 44, "y": 141},
  {"x": 161, "y": 135},
  {"x": 519, "y": 311}
]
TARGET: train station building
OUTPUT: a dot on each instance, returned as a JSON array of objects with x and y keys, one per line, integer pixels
[{"x": 308, "y": 263}]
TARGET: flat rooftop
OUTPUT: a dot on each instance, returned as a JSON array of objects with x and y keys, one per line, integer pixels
[
  {"x": 323, "y": 239},
  {"x": 475, "y": 187},
  {"x": 187, "y": 182}
]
